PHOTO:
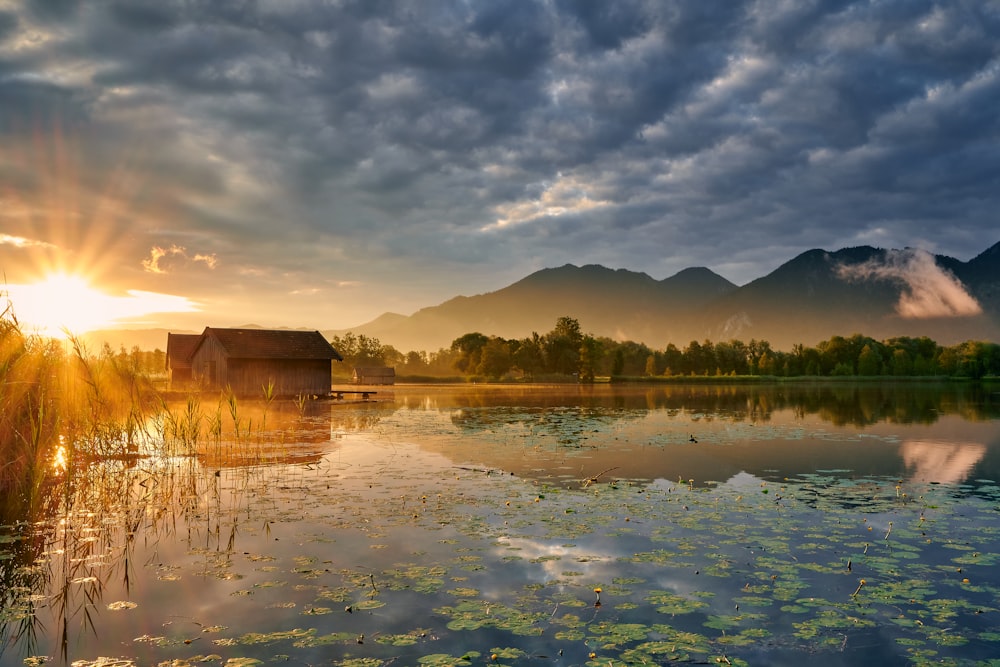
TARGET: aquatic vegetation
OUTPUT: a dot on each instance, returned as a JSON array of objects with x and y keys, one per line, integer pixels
[{"x": 419, "y": 546}]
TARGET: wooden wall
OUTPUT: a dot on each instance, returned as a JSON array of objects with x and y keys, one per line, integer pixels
[
  {"x": 290, "y": 376},
  {"x": 212, "y": 368},
  {"x": 208, "y": 365}
]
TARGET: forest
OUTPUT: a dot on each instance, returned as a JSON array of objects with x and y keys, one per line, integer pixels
[{"x": 568, "y": 352}]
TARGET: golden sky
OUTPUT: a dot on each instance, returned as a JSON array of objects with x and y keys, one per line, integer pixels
[{"x": 315, "y": 164}]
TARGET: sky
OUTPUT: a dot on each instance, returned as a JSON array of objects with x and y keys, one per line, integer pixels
[{"x": 312, "y": 163}]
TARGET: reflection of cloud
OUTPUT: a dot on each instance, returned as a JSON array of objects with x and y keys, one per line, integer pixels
[
  {"x": 551, "y": 556},
  {"x": 936, "y": 461},
  {"x": 928, "y": 290}
]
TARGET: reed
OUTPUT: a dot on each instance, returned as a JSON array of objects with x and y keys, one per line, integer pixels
[
  {"x": 60, "y": 405},
  {"x": 29, "y": 410}
]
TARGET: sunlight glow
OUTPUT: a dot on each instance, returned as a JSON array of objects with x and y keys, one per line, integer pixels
[
  {"x": 567, "y": 195},
  {"x": 60, "y": 460},
  {"x": 66, "y": 303}
]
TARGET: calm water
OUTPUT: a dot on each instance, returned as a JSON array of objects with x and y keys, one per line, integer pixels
[{"x": 839, "y": 524}]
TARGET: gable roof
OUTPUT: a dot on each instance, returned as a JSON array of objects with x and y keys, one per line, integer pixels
[
  {"x": 180, "y": 348},
  {"x": 272, "y": 344}
]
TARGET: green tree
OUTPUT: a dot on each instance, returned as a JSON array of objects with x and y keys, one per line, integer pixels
[
  {"x": 590, "y": 352},
  {"x": 415, "y": 362},
  {"x": 562, "y": 347},
  {"x": 650, "y": 365},
  {"x": 731, "y": 357},
  {"x": 869, "y": 361},
  {"x": 767, "y": 365},
  {"x": 901, "y": 364},
  {"x": 756, "y": 349},
  {"x": 469, "y": 348},
  {"x": 528, "y": 355},
  {"x": 495, "y": 359},
  {"x": 359, "y": 350},
  {"x": 673, "y": 360},
  {"x": 618, "y": 365}
]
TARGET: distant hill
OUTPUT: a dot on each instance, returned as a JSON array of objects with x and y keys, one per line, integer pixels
[
  {"x": 820, "y": 294},
  {"x": 810, "y": 298},
  {"x": 617, "y": 303},
  {"x": 813, "y": 296},
  {"x": 144, "y": 339}
]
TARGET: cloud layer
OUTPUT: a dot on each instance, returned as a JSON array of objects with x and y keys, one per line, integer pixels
[{"x": 332, "y": 160}]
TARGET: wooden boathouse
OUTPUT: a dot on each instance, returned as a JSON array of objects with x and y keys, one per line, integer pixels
[
  {"x": 374, "y": 375},
  {"x": 248, "y": 360},
  {"x": 180, "y": 347}
]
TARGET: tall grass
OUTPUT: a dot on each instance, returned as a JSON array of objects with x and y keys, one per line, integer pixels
[
  {"x": 30, "y": 375},
  {"x": 60, "y": 404}
]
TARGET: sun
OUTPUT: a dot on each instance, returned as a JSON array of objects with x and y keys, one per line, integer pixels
[
  {"x": 60, "y": 304},
  {"x": 65, "y": 304}
]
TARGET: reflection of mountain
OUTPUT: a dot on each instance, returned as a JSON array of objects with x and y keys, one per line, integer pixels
[{"x": 944, "y": 462}]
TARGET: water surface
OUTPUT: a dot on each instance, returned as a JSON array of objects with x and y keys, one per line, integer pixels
[{"x": 840, "y": 524}]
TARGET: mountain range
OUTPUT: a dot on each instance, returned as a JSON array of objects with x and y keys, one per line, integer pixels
[
  {"x": 818, "y": 294},
  {"x": 878, "y": 292}
]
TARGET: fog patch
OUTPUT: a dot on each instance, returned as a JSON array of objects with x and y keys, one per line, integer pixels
[{"x": 928, "y": 289}]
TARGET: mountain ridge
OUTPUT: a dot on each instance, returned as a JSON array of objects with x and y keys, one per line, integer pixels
[{"x": 811, "y": 297}]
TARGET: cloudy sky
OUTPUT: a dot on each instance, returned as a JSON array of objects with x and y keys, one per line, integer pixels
[{"x": 317, "y": 163}]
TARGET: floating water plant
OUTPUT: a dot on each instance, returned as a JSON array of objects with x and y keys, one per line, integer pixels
[{"x": 700, "y": 571}]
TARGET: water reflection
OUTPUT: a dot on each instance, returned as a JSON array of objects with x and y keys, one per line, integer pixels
[
  {"x": 709, "y": 432},
  {"x": 66, "y": 544},
  {"x": 941, "y": 462},
  {"x": 843, "y": 404},
  {"x": 382, "y": 480}
]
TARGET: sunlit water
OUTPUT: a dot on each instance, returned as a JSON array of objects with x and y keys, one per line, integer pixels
[{"x": 842, "y": 525}]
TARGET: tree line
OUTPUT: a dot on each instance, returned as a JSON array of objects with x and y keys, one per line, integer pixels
[{"x": 567, "y": 351}]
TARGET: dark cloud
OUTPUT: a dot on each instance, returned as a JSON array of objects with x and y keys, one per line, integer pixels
[
  {"x": 315, "y": 141},
  {"x": 608, "y": 25},
  {"x": 54, "y": 11},
  {"x": 145, "y": 17},
  {"x": 8, "y": 24},
  {"x": 29, "y": 105}
]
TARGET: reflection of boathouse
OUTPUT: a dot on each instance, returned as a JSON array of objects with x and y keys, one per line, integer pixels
[{"x": 247, "y": 360}]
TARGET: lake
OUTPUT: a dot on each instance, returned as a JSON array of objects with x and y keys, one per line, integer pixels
[{"x": 843, "y": 524}]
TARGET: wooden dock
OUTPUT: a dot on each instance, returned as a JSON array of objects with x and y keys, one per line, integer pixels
[{"x": 338, "y": 394}]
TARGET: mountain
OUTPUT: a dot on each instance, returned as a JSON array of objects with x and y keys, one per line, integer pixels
[
  {"x": 982, "y": 275},
  {"x": 815, "y": 295},
  {"x": 810, "y": 298},
  {"x": 144, "y": 339},
  {"x": 618, "y": 303},
  {"x": 877, "y": 292}
]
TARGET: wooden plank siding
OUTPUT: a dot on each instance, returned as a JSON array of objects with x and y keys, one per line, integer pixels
[
  {"x": 374, "y": 375},
  {"x": 290, "y": 376},
  {"x": 180, "y": 347},
  {"x": 246, "y": 361}
]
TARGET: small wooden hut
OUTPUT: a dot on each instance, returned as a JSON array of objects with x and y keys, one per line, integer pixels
[
  {"x": 180, "y": 347},
  {"x": 248, "y": 360},
  {"x": 374, "y": 375}
]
